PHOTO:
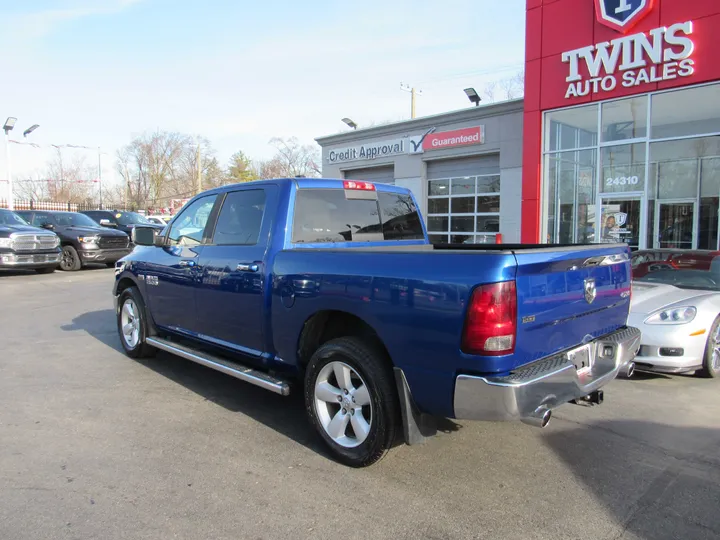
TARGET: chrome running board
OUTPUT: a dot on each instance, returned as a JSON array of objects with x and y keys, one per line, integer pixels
[{"x": 244, "y": 373}]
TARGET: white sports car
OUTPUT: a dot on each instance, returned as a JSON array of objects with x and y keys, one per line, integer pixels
[{"x": 676, "y": 305}]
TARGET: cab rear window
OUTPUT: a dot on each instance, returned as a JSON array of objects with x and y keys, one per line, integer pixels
[{"x": 326, "y": 215}]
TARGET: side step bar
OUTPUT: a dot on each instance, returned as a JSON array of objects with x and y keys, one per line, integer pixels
[{"x": 252, "y": 376}]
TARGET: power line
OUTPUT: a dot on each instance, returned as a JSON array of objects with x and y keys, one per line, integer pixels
[{"x": 488, "y": 71}]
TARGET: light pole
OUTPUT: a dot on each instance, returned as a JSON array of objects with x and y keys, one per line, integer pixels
[
  {"x": 8, "y": 127},
  {"x": 100, "y": 176},
  {"x": 473, "y": 96},
  {"x": 350, "y": 123}
]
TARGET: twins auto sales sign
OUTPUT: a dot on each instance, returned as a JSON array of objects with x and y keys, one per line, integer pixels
[{"x": 630, "y": 60}]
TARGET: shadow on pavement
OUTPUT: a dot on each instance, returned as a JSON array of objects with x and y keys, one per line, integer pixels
[
  {"x": 286, "y": 415},
  {"x": 657, "y": 481}
]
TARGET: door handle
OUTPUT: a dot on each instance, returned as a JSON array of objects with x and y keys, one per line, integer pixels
[
  {"x": 245, "y": 267},
  {"x": 187, "y": 263}
]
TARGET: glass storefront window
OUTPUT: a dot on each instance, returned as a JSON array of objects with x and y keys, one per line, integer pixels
[
  {"x": 571, "y": 128},
  {"x": 623, "y": 168},
  {"x": 688, "y": 112},
  {"x": 678, "y": 166},
  {"x": 624, "y": 119},
  {"x": 666, "y": 191}
]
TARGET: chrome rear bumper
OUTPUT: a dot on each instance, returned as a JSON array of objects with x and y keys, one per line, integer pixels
[{"x": 545, "y": 384}]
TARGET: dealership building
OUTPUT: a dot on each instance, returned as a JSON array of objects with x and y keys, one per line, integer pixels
[
  {"x": 622, "y": 122},
  {"x": 617, "y": 138},
  {"x": 464, "y": 168}
]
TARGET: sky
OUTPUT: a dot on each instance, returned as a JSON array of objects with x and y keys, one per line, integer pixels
[{"x": 97, "y": 73}]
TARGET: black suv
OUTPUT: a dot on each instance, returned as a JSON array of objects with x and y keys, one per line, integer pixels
[
  {"x": 26, "y": 247},
  {"x": 122, "y": 221},
  {"x": 83, "y": 241}
]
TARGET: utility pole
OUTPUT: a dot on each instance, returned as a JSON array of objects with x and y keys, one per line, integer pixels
[
  {"x": 9, "y": 171},
  {"x": 414, "y": 92},
  {"x": 199, "y": 170}
]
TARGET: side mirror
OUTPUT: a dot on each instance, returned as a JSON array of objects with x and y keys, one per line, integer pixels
[
  {"x": 144, "y": 236},
  {"x": 107, "y": 223},
  {"x": 48, "y": 226}
]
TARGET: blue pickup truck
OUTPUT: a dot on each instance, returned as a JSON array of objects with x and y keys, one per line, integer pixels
[{"x": 331, "y": 287}]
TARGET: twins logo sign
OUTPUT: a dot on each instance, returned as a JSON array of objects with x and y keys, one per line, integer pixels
[
  {"x": 622, "y": 15},
  {"x": 620, "y": 218}
]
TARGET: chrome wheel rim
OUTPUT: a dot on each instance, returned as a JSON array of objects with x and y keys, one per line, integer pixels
[
  {"x": 342, "y": 404},
  {"x": 716, "y": 349},
  {"x": 130, "y": 323}
]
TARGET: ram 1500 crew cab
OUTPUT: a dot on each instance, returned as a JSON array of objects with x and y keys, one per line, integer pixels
[{"x": 333, "y": 285}]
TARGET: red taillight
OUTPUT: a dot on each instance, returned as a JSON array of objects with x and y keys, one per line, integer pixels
[
  {"x": 354, "y": 184},
  {"x": 491, "y": 322}
]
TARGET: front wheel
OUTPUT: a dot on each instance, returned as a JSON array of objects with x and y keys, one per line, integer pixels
[
  {"x": 711, "y": 364},
  {"x": 70, "y": 260},
  {"x": 350, "y": 398},
  {"x": 132, "y": 324}
]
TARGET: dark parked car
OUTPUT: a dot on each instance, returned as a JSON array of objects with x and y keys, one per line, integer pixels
[
  {"x": 26, "y": 247},
  {"x": 83, "y": 241},
  {"x": 122, "y": 221}
]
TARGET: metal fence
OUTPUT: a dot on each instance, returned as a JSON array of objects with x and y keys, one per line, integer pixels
[{"x": 29, "y": 204}]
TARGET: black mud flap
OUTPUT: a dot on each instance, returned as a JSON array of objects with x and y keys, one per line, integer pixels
[{"x": 417, "y": 426}]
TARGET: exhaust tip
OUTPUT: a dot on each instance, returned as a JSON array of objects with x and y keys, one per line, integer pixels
[{"x": 540, "y": 418}]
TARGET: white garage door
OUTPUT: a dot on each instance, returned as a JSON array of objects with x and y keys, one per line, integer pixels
[{"x": 464, "y": 199}]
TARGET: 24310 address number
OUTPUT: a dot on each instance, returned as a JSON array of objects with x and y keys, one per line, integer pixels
[{"x": 623, "y": 181}]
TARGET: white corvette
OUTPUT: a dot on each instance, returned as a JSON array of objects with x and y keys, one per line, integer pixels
[{"x": 676, "y": 306}]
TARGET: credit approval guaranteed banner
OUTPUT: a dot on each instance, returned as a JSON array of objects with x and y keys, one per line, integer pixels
[{"x": 456, "y": 137}]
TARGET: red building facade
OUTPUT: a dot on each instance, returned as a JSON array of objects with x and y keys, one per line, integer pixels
[{"x": 622, "y": 122}]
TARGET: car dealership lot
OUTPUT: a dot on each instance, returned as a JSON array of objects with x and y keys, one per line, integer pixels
[{"x": 96, "y": 445}]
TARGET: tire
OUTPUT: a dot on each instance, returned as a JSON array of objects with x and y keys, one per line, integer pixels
[
  {"x": 711, "y": 364},
  {"x": 48, "y": 270},
  {"x": 131, "y": 311},
  {"x": 70, "y": 260},
  {"x": 110, "y": 264},
  {"x": 371, "y": 422}
]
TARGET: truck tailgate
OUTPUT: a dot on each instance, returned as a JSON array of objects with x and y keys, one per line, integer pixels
[{"x": 566, "y": 296}]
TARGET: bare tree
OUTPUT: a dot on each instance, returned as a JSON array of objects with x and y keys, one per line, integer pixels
[
  {"x": 291, "y": 159},
  {"x": 158, "y": 167},
  {"x": 505, "y": 89},
  {"x": 71, "y": 179}
]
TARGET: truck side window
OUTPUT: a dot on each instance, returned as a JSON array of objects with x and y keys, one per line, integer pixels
[
  {"x": 41, "y": 219},
  {"x": 189, "y": 226},
  {"x": 240, "y": 218}
]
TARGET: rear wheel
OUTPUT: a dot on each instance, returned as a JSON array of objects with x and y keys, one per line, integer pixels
[
  {"x": 711, "y": 365},
  {"x": 350, "y": 398},
  {"x": 132, "y": 324},
  {"x": 70, "y": 260},
  {"x": 110, "y": 264}
]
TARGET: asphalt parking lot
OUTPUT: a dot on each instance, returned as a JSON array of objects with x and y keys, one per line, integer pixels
[{"x": 96, "y": 445}]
